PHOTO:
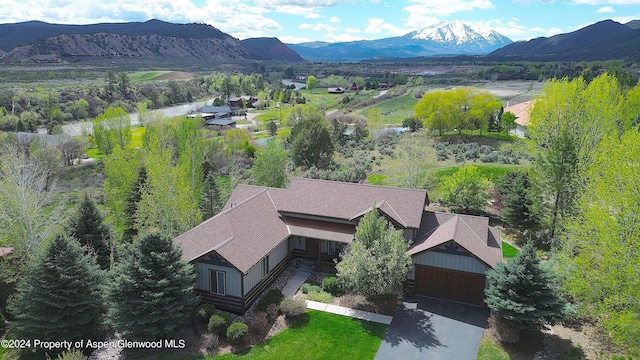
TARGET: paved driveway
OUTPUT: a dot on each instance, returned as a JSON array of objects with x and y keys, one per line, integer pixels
[{"x": 426, "y": 328}]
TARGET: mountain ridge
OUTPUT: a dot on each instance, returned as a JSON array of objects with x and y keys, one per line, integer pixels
[{"x": 443, "y": 39}]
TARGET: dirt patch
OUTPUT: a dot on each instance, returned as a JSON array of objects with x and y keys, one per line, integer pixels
[
  {"x": 176, "y": 75},
  {"x": 558, "y": 342}
]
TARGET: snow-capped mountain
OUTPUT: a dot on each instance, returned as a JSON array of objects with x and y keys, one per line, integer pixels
[
  {"x": 444, "y": 39},
  {"x": 461, "y": 34}
]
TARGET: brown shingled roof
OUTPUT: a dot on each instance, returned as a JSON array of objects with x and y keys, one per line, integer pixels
[
  {"x": 473, "y": 233},
  {"x": 348, "y": 201},
  {"x": 242, "y": 234}
]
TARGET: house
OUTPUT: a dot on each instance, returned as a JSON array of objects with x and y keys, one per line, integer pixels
[
  {"x": 26, "y": 138},
  {"x": 237, "y": 102},
  {"x": 5, "y": 289},
  {"x": 522, "y": 111},
  {"x": 336, "y": 90},
  {"x": 238, "y": 253},
  {"x": 217, "y": 112},
  {"x": 223, "y": 122}
]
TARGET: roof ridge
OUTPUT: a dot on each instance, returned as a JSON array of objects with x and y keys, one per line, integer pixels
[
  {"x": 470, "y": 228},
  {"x": 360, "y": 184},
  {"x": 404, "y": 223},
  {"x": 244, "y": 201}
]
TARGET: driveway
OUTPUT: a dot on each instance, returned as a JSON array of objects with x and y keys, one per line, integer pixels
[{"x": 426, "y": 328}]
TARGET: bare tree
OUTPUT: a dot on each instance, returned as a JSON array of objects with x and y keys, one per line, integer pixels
[
  {"x": 70, "y": 151},
  {"x": 29, "y": 212}
]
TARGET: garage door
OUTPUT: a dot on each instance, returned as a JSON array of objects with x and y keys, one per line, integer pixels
[{"x": 450, "y": 284}]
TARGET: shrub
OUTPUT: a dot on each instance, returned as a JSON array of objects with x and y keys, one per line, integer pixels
[
  {"x": 210, "y": 341},
  {"x": 261, "y": 323},
  {"x": 293, "y": 307},
  {"x": 308, "y": 288},
  {"x": 219, "y": 323},
  {"x": 332, "y": 285},
  {"x": 205, "y": 311},
  {"x": 272, "y": 310},
  {"x": 72, "y": 355},
  {"x": 236, "y": 332},
  {"x": 320, "y": 296},
  {"x": 273, "y": 296},
  {"x": 3, "y": 324}
]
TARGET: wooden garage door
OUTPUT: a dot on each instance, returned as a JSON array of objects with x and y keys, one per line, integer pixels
[{"x": 450, "y": 284}]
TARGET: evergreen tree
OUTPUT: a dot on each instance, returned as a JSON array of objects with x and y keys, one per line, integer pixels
[
  {"x": 210, "y": 201},
  {"x": 523, "y": 293},
  {"x": 58, "y": 297},
  {"x": 310, "y": 142},
  {"x": 518, "y": 206},
  {"x": 151, "y": 294},
  {"x": 131, "y": 208},
  {"x": 87, "y": 227}
]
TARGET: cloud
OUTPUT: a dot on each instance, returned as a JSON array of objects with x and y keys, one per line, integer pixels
[
  {"x": 378, "y": 26},
  {"x": 419, "y": 21},
  {"x": 352, "y": 30},
  {"x": 345, "y": 37},
  {"x": 546, "y": 32},
  {"x": 318, "y": 27},
  {"x": 606, "y": 2},
  {"x": 293, "y": 39},
  {"x": 334, "y": 19},
  {"x": 606, "y": 9},
  {"x": 446, "y": 8}
]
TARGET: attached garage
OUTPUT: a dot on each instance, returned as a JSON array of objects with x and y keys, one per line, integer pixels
[
  {"x": 451, "y": 257},
  {"x": 449, "y": 284}
]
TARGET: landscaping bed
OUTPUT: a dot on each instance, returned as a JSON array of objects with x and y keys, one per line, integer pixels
[{"x": 350, "y": 300}]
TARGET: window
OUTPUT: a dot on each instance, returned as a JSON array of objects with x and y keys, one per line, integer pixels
[
  {"x": 265, "y": 266},
  {"x": 218, "y": 282},
  {"x": 334, "y": 248}
]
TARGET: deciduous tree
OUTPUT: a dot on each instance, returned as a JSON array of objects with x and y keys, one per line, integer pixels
[
  {"x": 312, "y": 82},
  {"x": 466, "y": 189},
  {"x": 270, "y": 165},
  {"x": 599, "y": 252},
  {"x": 376, "y": 262}
]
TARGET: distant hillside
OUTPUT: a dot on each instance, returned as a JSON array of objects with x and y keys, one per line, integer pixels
[
  {"x": 130, "y": 46},
  {"x": 39, "y": 41},
  {"x": 271, "y": 49},
  {"x": 634, "y": 24},
  {"x": 14, "y": 35},
  {"x": 605, "y": 40}
]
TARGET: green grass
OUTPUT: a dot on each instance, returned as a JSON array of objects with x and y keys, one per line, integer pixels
[
  {"x": 319, "y": 335},
  {"x": 146, "y": 75},
  {"x": 396, "y": 109},
  {"x": 508, "y": 251},
  {"x": 490, "y": 351},
  {"x": 492, "y": 172},
  {"x": 376, "y": 179},
  {"x": 94, "y": 153},
  {"x": 2, "y": 350}
]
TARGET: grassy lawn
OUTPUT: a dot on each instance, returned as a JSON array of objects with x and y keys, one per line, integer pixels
[
  {"x": 94, "y": 153},
  {"x": 490, "y": 351},
  {"x": 146, "y": 75},
  {"x": 320, "y": 336},
  {"x": 491, "y": 171},
  {"x": 508, "y": 251},
  {"x": 396, "y": 109}
]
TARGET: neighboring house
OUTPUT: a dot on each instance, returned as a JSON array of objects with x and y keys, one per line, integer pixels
[
  {"x": 336, "y": 90},
  {"x": 26, "y": 138},
  {"x": 238, "y": 253},
  {"x": 216, "y": 112},
  {"x": 5, "y": 289},
  {"x": 237, "y": 103},
  {"x": 223, "y": 122},
  {"x": 522, "y": 112}
]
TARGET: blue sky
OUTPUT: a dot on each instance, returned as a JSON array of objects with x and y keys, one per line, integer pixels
[{"x": 294, "y": 21}]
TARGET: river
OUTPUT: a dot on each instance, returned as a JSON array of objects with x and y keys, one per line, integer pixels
[{"x": 86, "y": 127}]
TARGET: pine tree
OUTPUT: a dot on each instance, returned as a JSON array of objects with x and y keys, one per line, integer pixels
[
  {"x": 151, "y": 294},
  {"x": 518, "y": 207},
  {"x": 210, "y": 200},
  {"x": 87, "y": 227},
  {"x": 131, "y": 208},
  {"x": 58, "y": 297},
  {"x": 523, "y": 293}
]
